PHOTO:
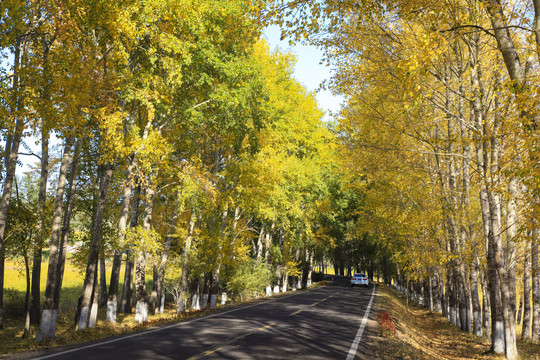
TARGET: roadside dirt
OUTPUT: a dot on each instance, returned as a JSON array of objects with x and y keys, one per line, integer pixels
[{"x": 424, "y": 335}]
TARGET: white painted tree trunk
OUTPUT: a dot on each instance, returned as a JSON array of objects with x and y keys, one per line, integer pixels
[
  {"x": 180, "y": 306},
  {"x": 83, "y": 320},
  {"x": 54, "y": 255},
  {"x": 498, "y": 341},
  {"x": 276, "y": 289},
  {"x": 162, "y": 302},
  {"x": 92, "y": 321},
  {"x": 195, "y": 302},
  {"x": 141, "y": 311},
  {"x": 213, "y": 301},
  {"x": 47, "y": 326},
  {"x": 223, "y": 298},
  {"x": 204, "y": 301},
  {"x": 111, "y": 311},
  {"x": 452, "y": 315},
  {"x": 269, "y": 290}
]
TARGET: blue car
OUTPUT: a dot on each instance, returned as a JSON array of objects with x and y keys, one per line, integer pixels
[{"x": 359, "y": 279}]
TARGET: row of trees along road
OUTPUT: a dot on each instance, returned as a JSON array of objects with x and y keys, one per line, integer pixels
[
  {"x": 441, "y": 118},
  {"x": 185, "y": 148},
  {"x": 189, "y": 152}
]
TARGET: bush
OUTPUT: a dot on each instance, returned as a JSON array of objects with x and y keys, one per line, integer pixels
[
  {"x": 317, "y": 276},
  {"x": 386, "y": 324},
  {"x": 249, "y": 278},
  {"x": 13, "y": 303}
]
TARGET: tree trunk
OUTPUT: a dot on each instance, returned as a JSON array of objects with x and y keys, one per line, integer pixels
[
  {"x": 92, "y": 319},
  {"x": 182, "y": 305},
  {"x": 504, "y": 41},
  {"x": 4, "y": 205},
  {"x": 516, "y": 72},
  {"x": 35, "y": 308},
  {"x": 42, "y": 195},
  {"x": 47, "y": 326},
  {"x": 259, "y": 249},
  {"x": 195, "y": 298},
  {"x": 477, "y": 310},
  {"x": 127, "y": 294},
  {"x": 112, "y": 299},
  {"x": 159, "y": 272},
  {"x": 486, "y": 313},
  {"x": 519, "y": 312},
  {"x": 102, "y": 280},
  {"x": 526, "y": 329},
  {"x": 497, "y": 319},
  {"x": 206, "y": 285},
  {"x": 511, "y": 230},
  {"x": 443, "y": 295},
  {"x": 465, "y": 303},
  {"x": 535, "y": 269},
  {"x": 27, "y": 304},
  {"x": 126, "y": 302},
  {"x": 141, "y": 309},
  {"x": 407, "y": 294},
  {"x": 217, "y": 266},
  {"x": 153, "y": 301},
  {"x": 509, "y": 322},
  {"x": 451, "y": 296},
  {"x": 66, "y": 223},
  {"x": 45, "y": 124},
  {"x": 268, "y": 242},
  {"x": 11, "y": 151},
  {"x": 310, "y": 268},
  {"x": 91, "y": 267}
]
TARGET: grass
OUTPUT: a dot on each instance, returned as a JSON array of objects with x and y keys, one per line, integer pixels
[
  {"x": 424, "y": 335},
  {"x": 11, "y": 336},
  {"x": 71, "y": 285}
]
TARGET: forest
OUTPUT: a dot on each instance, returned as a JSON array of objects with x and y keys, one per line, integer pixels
[{"x": 178, "y": 151}]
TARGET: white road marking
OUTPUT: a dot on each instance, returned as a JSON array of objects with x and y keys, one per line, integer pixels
[
  {"x": 356, "y": 342},
  {"x": 312, "y": 305},
  {"x": 166, "y": 327},
  {"x": 231, "y": 341}
]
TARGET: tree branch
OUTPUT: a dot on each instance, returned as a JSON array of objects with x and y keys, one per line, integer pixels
[
  {"x": 487, "y": 31},
  {"x": 30, "y": 154}
]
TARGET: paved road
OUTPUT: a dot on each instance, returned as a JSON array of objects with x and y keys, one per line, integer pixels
[{"x": 321, "y": 323}]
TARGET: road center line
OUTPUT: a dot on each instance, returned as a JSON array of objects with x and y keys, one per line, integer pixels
[
  {"x": 231, "y": 341},
  {"x": 356, "y": 342},
  {"x": 312, "y": 305}
]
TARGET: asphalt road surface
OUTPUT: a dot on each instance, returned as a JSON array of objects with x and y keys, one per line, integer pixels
[{"x": 323, "y": 323}]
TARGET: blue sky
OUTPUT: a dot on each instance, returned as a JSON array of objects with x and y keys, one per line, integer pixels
[{"x": 307, "y": 71}]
